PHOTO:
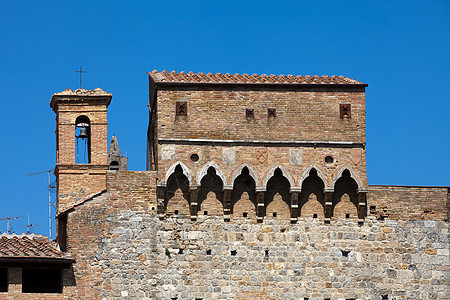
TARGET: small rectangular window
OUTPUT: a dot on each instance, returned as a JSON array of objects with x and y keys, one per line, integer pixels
[
  {"x": 41, "y": 281},
  {"x": 345, "y": 110},
  {"x": 249, "y": 113},
  {"x": 3, "y": 280},
  {"x": 181, "y": 108},
  {"x": 271, "y": 112}
]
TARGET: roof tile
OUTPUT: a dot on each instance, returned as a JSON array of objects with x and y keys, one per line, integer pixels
[
  {"x": 191, "y": 77},
  {"x": 28, "y": 246}
]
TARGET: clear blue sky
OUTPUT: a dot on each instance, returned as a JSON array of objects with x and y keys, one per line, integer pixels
[{"x": 400, "y": 48}]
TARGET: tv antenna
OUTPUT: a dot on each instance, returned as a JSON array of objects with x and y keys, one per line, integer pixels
[
  {"x": 50, "y": 203},
  {"x": 29, "y": 225},
  {"x": 8, "y": 230}
]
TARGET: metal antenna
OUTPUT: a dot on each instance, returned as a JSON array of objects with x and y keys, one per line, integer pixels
[
  {"x": 81, "y": 72},
  {"x": 29, "y": 225},
  {"x": 8, "y": 231},
  {"x": 50, "y": 186}
]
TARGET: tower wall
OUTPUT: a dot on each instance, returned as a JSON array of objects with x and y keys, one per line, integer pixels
[{"x": 77, "y": 180}]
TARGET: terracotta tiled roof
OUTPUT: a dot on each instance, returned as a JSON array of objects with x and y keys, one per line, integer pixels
[
  {"x": 28, "y": 246},
  {"x": 192, "y": 77}
]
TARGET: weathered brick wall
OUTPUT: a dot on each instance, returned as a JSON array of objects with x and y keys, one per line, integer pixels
[
  {"x": 295, "y": 160},
  {"x": 67, "y": 115},
  {"x": 90, "y": 223},
  {"x": 78, "y": 182},
  {"x": 74, "y": 180},
  {"x": 409, "y": 202},
  {"x": 300, "y": 115}
]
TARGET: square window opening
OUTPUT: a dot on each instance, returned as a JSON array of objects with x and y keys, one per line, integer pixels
[
  {"x": 249, "y": 113},
  {"x": 244, "y": 215},
  {"x": 3, "y": 279},
  {"x": 274, "y": 214},
  {"x": 315, "y": 216},
  {"x": 41, "y": 281}
]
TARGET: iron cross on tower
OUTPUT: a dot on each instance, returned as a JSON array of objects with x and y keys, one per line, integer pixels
[{"x": 81, "y": 72}]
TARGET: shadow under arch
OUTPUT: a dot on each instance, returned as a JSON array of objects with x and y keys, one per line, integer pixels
[
  {"x": 345, "y": 185},
  {"x": 313, "y": 184},
  {"x": 277, "y": 184},
  {"x": 243, "y": 183},
  {"x": 211, "y": 182},
  {"x": 184, "y": 170},
  {"x": 251, "y": 172},
  {"x": 176, "y": 181},
  {"x": 284, "y": 172},
  {"x": 350, "y": 171},
  {"x": 319, "y": 172},
  {"x": 204, "y": 172}
]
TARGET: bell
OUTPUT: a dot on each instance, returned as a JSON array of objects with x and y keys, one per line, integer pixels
[{"x": 83, "y": 133}]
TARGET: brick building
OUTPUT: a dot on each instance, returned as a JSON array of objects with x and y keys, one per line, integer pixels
[{"x": 256, "y": 188}]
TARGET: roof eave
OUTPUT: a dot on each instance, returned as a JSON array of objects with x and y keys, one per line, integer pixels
[{"x": 170, "y": 84}]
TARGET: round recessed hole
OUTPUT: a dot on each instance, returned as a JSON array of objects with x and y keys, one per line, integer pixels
[
  {"x": 329, "y": 159},
  {"x": 194, "y": 157}
]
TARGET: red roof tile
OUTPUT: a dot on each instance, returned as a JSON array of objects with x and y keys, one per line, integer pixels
[
  {"x": 192, "y": 77},
  {"x": 28, "y": 246}
]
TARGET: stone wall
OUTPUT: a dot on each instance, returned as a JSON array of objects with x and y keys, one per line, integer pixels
[
  {"x": 142, "y": 257},
  {"x": 409, "y": 202},
  {"x": 124, "y": 249}
]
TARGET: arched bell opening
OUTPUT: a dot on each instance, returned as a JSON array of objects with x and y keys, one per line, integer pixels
[
  {"x": 176, "y": 198},
  {"x": 243, "y": 197},
  {"x": 346, "y": 206},
  {"x": 114, "y": 166},
  {"x": 82, "y": 140},
  {"x": 276, "y": 197},
  {"x": 311, "y": 198},
  {"x": 210, "y": 194}
]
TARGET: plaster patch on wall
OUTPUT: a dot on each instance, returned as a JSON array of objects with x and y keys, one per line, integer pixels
[
  {"x": 296, "y": 157},
  {"x": 229, "y": 155},
  {"x": 168, "y": 152}
]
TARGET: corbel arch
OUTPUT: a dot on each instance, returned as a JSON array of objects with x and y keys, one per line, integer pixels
[
  {"x": 238, "y": 171},
  {"x": 353, "y": 175},
  {"x": 185, "y": 169},
  {"x": 204, "y": 171},
  {"x": 283, "y": 170},
  {"x": 320, "y": 174}
]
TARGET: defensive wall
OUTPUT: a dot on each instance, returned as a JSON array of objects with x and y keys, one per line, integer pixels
[
  {"x": 125, "y": 250},
  {"x": 256, "y": 189}
]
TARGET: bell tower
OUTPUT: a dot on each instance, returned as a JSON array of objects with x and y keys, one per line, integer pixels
[{"x": 81, "y": 143}]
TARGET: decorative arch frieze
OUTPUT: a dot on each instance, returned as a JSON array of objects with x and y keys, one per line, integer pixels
[
  {"x": 185, "y": 169},
  {"x": 238, "y": 171},
  {"x": 320, "y": 173},
  {"x": 204, "y": 171},
  {"x": 285, "y": 172},
  {"x": 353, "y": 175}
]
